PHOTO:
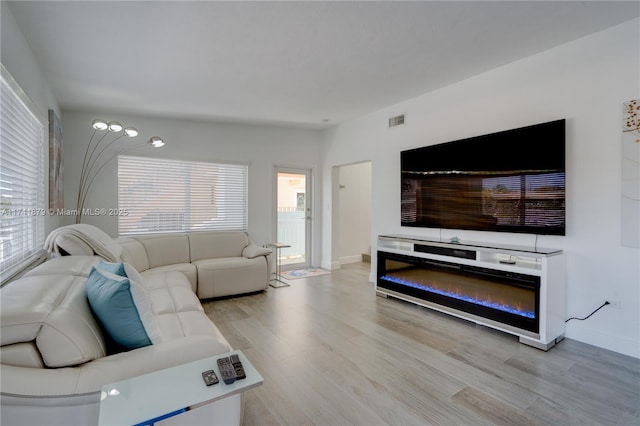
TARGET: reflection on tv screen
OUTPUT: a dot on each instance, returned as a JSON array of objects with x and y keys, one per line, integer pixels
[{"x": 517, "y": 203}]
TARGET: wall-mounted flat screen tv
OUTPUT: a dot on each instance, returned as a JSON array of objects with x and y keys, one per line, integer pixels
[{"x": 510, "y": 181}]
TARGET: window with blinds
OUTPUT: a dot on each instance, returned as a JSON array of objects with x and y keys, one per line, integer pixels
[
  {"x": 159, "y": 195},
  {"x": 22, "y": 184}
]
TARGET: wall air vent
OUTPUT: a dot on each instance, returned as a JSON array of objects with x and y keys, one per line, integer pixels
[{"x": 398, "y": 120}]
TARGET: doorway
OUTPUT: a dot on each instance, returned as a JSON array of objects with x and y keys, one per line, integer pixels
[
  {"x": 354, "y": 213},
  {"x": 293, "y": 217}
]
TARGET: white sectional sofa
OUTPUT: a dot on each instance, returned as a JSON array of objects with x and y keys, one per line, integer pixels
[{"x": 55, "y": 356}]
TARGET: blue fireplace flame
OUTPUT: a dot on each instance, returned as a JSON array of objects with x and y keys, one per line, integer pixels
[{"x": 463, "y": 297}]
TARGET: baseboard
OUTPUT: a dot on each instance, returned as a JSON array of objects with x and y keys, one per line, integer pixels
[
  {"x": 602, "y": 340},
  {"x": 331, "y": 266},
  {"x": 351, "y": 259}
]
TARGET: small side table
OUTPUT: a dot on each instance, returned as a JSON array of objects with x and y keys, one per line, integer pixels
[
  {"x": 165, "y": 393},
  {"x": 277, "y": 281}
]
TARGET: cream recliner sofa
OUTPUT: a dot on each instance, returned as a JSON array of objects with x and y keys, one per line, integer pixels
[
  {"x": 216, "y": 263},
  {"x": 54, "y": 356}
]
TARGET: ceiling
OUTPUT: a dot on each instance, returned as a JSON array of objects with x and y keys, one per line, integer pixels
[{"x": 309, "y": 64}]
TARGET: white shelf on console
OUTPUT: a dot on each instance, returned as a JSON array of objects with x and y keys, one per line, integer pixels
[{"x": 408, "y": 240}]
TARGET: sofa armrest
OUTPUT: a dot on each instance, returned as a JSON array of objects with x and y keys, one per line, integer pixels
[
  {"x": 148, "y": 359},
  {"x": 91, "y": 376},
  {"x": 253, "y": 250}
]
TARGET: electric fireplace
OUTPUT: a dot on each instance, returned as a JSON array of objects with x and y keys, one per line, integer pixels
[
  {"x": 508, "y": 298},
  {"x": 516, "y": 289}
]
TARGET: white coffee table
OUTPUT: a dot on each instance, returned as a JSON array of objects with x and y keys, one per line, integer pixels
[{"x": 165, "y": 393}]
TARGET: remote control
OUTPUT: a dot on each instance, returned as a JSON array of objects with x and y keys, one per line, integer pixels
[
  {"x": 237, "y": 365},
  {"x": 210, "y": 377},
  {"x": 227, "y": 371}
]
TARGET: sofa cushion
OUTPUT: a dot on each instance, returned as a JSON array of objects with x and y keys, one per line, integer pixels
[
  {"x": 231, "y": 275},
  {"x": 111, "y": 301},
  {"x": 134, "y": 253},
  {"x": 178, "y": 310},
  {"x": 212, "y": 245},
  {"x": 188, "y": 269},
  {"x": 166, "y": 249},
  {"x": 51, "y": 310},
  {"x": 21, "y": 355}
]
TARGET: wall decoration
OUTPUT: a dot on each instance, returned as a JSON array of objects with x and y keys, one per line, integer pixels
[
  {"x": 631, "y": 174},
  {"x": 56, "y": 193}
]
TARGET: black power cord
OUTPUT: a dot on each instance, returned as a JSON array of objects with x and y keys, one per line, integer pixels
[{"x": 582, "y": 319}]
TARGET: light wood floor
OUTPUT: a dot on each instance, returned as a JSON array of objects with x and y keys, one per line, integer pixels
[{"x": 333, "y": 353}]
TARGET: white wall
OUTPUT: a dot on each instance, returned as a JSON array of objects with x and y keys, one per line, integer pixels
[
  {"x": 19, "y": 60},
  {"x": 586, "y": 82},
  {"x": 262, "y": 147},
  {"x": 354, "y": 211}
]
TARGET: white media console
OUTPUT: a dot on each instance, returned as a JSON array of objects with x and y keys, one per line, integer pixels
[{"x": 532, "y": 279}]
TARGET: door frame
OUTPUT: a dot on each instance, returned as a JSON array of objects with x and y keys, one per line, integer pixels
[{"x": 308, "y": 173}]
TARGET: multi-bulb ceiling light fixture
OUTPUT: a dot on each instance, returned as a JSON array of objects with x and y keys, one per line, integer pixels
[{"x": 96, "y": 156}]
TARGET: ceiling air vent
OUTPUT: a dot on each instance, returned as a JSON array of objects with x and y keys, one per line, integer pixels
[{"x": 398, "y": 120}]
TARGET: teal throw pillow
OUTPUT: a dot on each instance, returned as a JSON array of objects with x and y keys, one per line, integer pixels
[
  {"x": 114, "y": 268},
  {"x": 111, "y": 301}
]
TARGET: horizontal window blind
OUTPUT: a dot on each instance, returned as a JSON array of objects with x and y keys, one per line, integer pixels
[
  {"x": 159, "y": 195},
  {"x": 22, "y": 194}
]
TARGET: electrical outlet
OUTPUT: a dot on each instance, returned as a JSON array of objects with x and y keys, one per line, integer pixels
[{"x": 615, "y": 304}]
